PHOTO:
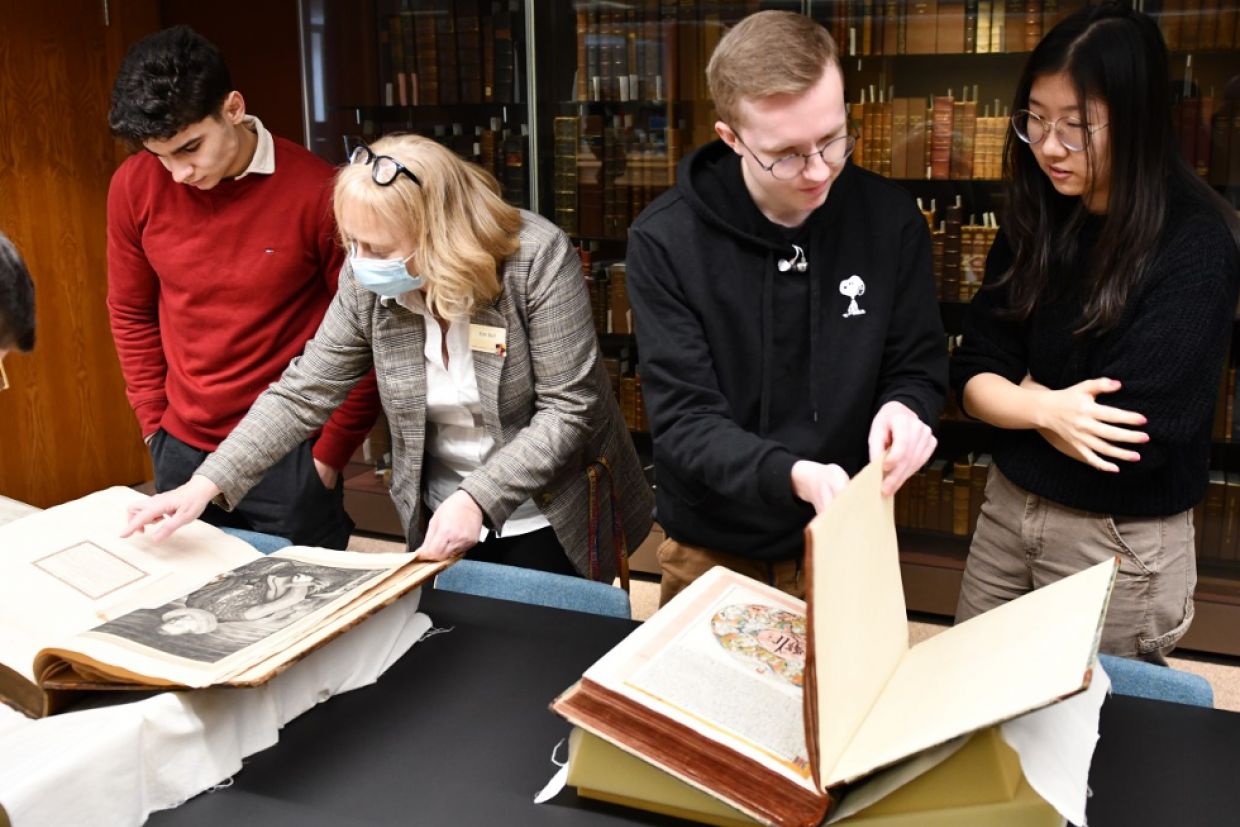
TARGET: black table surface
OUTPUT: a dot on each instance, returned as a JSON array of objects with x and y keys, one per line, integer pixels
[{"x": 458, "y": 732}]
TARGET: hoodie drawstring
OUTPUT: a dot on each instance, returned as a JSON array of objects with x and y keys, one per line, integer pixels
[
  {"x": 815, "y": 358},
  {"x": 800, "y": 262},
  {"x": 768, "y": 345}
]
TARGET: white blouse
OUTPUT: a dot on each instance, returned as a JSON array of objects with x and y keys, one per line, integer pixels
[{"x": 457, "y": 441}]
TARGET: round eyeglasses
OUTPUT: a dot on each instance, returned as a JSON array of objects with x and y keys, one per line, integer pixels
[
  {"x": 383, "y": 168},
  {"x": 833, "y": 153},
  {"x": 1033, "y": 129}
]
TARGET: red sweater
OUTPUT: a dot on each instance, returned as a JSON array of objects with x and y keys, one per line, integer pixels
[{"x": 211, "y": 294}]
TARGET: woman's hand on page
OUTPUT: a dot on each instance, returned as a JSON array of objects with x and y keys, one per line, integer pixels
[
  {"x": 170, "y": 510},
  {"x": 903, "y": 441},
  {"x": 454, "y": 528},
  {"x": 1077, "y": 425},
  {"x": 817, "y": 483}
]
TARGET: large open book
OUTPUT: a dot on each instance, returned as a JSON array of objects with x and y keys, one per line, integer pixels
[
  {"x": 84, "y": 609},
  {"x": 738, "y": 690}
]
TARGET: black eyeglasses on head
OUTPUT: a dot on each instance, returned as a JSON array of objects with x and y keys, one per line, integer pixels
[{"x": 383, "y": 168}]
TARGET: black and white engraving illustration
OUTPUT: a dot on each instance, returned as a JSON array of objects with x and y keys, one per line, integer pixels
[{"x": 237, "y": 609}]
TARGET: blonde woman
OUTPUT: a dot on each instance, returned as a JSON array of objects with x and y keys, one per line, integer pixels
[{"x": 507, "y": 443}]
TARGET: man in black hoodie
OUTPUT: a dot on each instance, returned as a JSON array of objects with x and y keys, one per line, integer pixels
[{"x": 786, "y": 317}]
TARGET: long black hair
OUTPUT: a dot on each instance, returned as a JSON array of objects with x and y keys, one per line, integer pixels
[{"x": 1115, "y": 55}]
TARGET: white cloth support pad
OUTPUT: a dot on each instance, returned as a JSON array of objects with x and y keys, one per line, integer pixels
[
  {"x": 1056, "y": 746},
  {"x": 117, "y": 763}
]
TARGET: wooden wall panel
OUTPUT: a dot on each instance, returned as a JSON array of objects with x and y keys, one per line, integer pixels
[
  {"x": 260, "y": 45},
  {"x": 65, "y": 426}
]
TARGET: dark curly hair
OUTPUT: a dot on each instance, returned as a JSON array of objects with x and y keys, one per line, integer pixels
[
  {"x": 166, "y": 82},
  {"x": 16, "y": 299}
]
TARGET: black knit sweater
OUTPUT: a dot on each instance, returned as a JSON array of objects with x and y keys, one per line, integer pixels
[{"x": 1167, "y": 351}]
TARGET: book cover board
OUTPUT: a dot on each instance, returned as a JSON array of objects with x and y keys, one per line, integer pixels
[{"x": 978, "y": 784}]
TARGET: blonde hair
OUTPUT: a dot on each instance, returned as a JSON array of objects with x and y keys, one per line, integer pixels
[
  {"x": 462, "y": 230},
  {"x": 768, "y": 53}
]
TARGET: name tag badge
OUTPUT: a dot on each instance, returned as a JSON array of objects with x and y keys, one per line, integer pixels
[{"x": 485, "y": 339}]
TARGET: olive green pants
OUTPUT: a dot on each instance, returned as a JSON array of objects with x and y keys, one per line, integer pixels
[{"x": 1024, "y": 542}]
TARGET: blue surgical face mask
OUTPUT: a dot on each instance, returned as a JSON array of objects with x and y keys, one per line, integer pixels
[{"x": 384, "y": 276}]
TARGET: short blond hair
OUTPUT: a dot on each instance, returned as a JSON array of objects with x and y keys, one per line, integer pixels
[
  {"x": 461, "y": 228},
  {"x": 768, "y": 53}
]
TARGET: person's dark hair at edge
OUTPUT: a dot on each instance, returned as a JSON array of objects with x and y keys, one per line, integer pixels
[
  {"x": 1117, "y": 55},
  {"x": 166, "y": 82},
  {"x": 16, "y": 300}
]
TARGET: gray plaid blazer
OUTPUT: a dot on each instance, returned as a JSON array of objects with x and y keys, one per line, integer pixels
[{"x": 547, "y": 403}]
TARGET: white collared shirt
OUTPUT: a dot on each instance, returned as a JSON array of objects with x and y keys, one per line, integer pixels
[
  {"x": 457, "y": 441},
  {"x": 264, "y": 160}
]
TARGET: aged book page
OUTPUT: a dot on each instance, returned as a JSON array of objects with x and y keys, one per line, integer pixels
[
  {"x": 878, "y": 701},
  {"x": 726, "y": 662},
  {"x": 66, "y": 570},
  {"x": 262, "y": 611},
  {"x": 856, "y": 610},
  {"x": 86, "y": 609},
  {"x": 1011, "y": 660}
]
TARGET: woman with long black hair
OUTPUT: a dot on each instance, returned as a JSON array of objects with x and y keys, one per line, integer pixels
[{"x": 1098, "y": 338}]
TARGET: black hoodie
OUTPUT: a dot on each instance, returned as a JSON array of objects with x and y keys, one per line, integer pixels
[{"x": 754, "y": 356}]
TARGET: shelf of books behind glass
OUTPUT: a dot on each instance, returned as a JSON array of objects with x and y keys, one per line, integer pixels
[
  {"x": 929, "y": 86},
  {"x": 929, "y": 89},
  {"x": 453, "y": 70}
]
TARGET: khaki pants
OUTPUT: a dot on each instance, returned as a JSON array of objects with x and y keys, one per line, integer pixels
[
  {"x": 1024, "y": 542},
  {"x": 681, "y": 564}
]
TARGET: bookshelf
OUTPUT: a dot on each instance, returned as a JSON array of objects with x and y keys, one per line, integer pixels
[
  {"x": 454, "y": 70},
  {"x": 611, "y": 95},
  {"x": 929, "y": 84}
]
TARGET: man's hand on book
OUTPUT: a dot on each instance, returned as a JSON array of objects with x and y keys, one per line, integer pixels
[
  {"x": 172, "y": 509},
  {"x": 817, "y": 483},
  {"x": 902, "y": 441},
  {"x": 453, "y": 530}
]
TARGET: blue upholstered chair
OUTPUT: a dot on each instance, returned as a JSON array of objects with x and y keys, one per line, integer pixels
[
  {"x": 265, "y": 543},
  {"x": 559, "y": 591},
  {"x": 1161, "y": 683}
]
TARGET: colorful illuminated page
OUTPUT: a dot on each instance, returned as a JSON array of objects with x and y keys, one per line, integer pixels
[{"x": 726, "y": 658}]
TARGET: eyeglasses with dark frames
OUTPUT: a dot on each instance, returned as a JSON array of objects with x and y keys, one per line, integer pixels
[
  {"x": 1070, "y": 131},
  {"x": 833, "y": 153},
  {"x": 384, "y": 169}
]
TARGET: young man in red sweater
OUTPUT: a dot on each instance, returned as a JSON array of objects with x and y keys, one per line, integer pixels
[{"x": 222, "y": 259}]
